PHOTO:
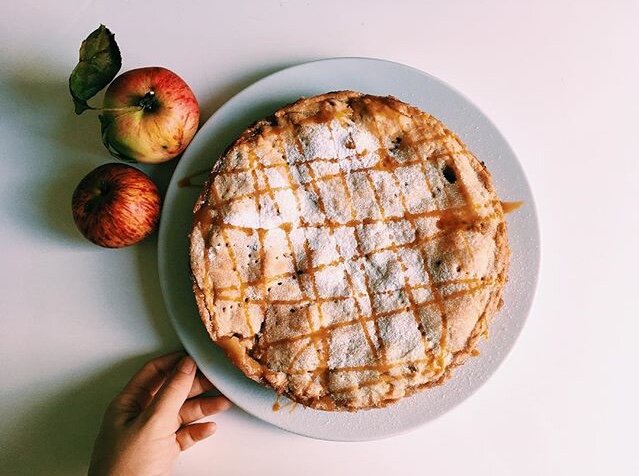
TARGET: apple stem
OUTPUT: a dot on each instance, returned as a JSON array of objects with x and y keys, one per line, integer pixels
[{"x": 148, "y": 101}]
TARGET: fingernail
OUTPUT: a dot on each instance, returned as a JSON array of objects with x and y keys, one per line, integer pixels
[
  {"x": 186, "y": 365},
  {"x": 226, "y": 405}
]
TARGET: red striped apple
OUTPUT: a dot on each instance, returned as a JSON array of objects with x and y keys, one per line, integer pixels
[
  {"x": 150, "y": 115},
  {"x": 116, "y": 205}
]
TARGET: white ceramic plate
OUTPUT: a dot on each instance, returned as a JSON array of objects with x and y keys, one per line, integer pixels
[{"x": 380, "y": 78}]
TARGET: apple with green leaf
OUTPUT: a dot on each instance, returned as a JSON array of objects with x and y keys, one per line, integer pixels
[{"x": 149, "y": 114}]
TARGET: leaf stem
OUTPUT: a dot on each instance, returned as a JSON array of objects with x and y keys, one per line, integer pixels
[{"x": 118, "y": 109}]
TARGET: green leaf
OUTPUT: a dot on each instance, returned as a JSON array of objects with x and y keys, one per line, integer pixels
[{"x": 100, "y": 61}]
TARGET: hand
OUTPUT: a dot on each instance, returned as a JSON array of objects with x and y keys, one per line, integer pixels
[{"x": 151, "y": 421}]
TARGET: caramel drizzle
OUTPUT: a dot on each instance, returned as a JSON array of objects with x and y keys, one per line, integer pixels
[
  {"x": 374, "y": 314},
  {"x": 260, "y": 233},
  {"x": 233, "y": 258},
  {"x": 509, "y": 207},
  {"x": 378, "y": 367},
  {"x": 203, "y": 217},
  {"x": 444, "y": 325},
  {"x": 468, "y": 205},
  {"x": 292, "y": 302},
  {"x": 277, "y": 406},
  {"x": 313, "y": 270},
  {"x": 378, "y": 315},
  {"x": 407, "y": 216},
  {"x": 187, "y": 181},
  {"x": 433, "y": 290},
  {"x": 469, "y": 202},
  {"x": 472, "y": 210},
  {"x": 323, "y": 356},
  {"x": 362, "y": 322},
  {"x": 293, "y": 187},
  {"x": 333, "y": 160},
  {"x": 349, "y": 279},
  {"x": 324, "y": 331},
  {"x": 409, "y": 290},
  {"x": 287, "y": 231}
]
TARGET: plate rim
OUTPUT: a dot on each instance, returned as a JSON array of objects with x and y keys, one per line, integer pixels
[{"x": 533, "y": 287}]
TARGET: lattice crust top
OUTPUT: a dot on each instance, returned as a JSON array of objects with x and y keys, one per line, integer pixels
[{"x": 348, "y": 251}]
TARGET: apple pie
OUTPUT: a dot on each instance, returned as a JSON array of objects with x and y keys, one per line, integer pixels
[{"x": 348, "y": 251}]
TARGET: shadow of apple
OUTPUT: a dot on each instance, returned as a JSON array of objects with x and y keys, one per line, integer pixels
[{"x": 73, "y": 143}]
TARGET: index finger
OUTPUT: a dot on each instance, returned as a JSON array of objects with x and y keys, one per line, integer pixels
[{"x": 174, "y": 391}]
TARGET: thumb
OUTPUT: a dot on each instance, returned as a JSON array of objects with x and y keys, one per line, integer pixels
[{"x": 175, "y": 391}]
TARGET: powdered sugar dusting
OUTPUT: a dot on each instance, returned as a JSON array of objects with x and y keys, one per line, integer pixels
[{"x": 339, "y": 255}]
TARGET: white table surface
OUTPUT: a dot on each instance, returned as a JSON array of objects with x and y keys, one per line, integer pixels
[{"x": 559, "y": 78}]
